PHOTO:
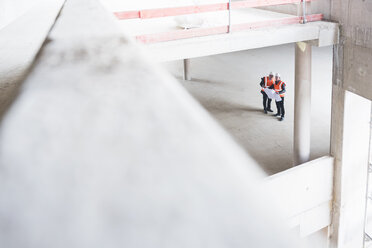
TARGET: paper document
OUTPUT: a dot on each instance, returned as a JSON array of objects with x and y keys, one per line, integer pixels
[{"x": 272, "y": 95}]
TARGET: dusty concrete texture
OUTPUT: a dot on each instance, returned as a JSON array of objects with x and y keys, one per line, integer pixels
[
  {"x": 228, "y": 87},
  {"x": 103, "y": 149}
]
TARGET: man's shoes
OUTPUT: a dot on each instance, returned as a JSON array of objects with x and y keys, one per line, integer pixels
[
  {"x": 270, "y": 110},
  {"x": 265, "y": 111},
  {"x": 277, "y": 114},
  {"x": 281, "y": 118}
]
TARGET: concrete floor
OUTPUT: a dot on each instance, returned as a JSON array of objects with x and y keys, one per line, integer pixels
[{"x": 227, "y": 86}]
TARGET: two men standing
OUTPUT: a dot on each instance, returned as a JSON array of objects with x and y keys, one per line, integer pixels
[{"x": 274, "y": 90}]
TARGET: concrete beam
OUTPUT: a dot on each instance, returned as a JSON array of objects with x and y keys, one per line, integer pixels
[
  {"x": 239, "y": 41},
  {"x": 217, "y": 30}
]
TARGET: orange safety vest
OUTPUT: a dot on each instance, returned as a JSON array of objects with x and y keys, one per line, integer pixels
[
  {"x": 268, "y": 82},
  {"x": 278, "y": 87}
]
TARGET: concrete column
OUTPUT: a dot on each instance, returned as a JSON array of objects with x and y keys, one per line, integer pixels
[
  {"x": 302, "y": 110},
  {"x": 186, "y": 69},
  {"x": 350, "y": 148}
]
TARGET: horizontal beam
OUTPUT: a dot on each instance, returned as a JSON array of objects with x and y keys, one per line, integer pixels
[
  {"x": 239, "y": 41},
  {"x": 185, "y": 10},
  {"x": 198, "y": 32}
]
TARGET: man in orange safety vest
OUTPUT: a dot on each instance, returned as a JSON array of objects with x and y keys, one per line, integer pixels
[
  {"x": 280, "y": 88},
  {"x": 265, "y": 83}
]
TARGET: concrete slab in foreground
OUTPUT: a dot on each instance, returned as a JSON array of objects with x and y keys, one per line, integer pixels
[{"x": 103, "y": 149}]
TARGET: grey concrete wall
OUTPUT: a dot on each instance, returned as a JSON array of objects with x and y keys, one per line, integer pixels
[{"x": 353, "y": 57}]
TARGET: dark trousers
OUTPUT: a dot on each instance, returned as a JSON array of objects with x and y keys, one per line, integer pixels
[
  {"x": 280, "y": 107},
  {"x": 267, "y": 100}
]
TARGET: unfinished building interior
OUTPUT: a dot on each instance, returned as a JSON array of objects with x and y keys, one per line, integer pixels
[{"x": 140, "y": 124}]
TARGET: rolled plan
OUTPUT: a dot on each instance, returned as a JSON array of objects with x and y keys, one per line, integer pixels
[{"x": 272, "y": 94}]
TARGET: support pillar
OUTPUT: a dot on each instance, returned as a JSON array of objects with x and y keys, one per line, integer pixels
[
  {"x": 302, "y": 110},
  {"x": 186, "y": 69},
  {"x": 350, "y": 135}
]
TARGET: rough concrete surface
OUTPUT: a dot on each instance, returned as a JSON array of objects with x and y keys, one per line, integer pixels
[{"x": 228, "y": 87}]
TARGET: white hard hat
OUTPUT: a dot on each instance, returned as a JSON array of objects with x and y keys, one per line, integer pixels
[
  {"x": 271, "y": 73},
  {"x": 277, "y": 75}
]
